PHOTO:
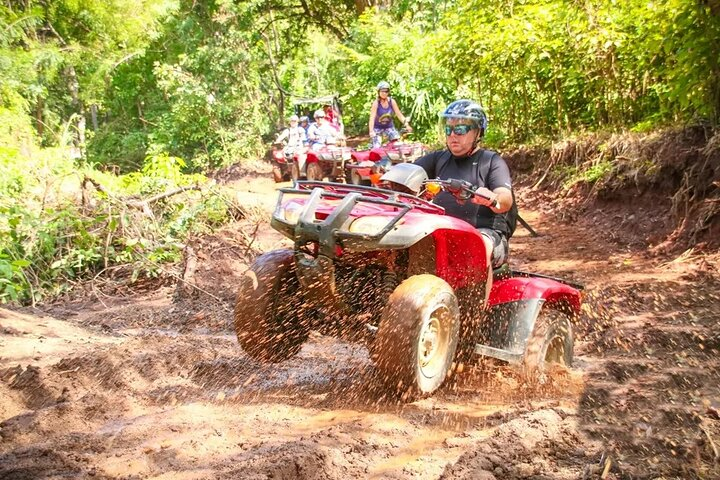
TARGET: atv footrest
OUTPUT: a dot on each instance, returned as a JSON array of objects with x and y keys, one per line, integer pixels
[{"x": 498, "y": 353}]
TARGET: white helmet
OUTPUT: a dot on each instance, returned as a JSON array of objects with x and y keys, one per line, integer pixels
[
  {"x": 319, "y": 114},
  {"x": 294, "y": 118},
  {"x": 408, "y": 175}
]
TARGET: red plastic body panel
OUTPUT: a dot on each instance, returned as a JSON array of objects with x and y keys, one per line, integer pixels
[
  {"x": 360, "y": 155},
  {"x": 460, "y": 255},
  {"x": 523, "y": 288}
]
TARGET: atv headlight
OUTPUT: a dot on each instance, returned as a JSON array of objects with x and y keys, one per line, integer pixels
[
  {"x": 370, "y": 225},
  {"x": 291, "y": 212}
]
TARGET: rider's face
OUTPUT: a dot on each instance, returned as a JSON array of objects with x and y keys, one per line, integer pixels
[{"x": 460, "y": 145}]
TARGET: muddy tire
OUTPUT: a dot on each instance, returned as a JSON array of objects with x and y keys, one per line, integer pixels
[
  {"x": 295, "y": 171},
  {"x": 277, "y": 174},
  {"x": 268, "y": 319},
  {"x": 418, "y": 334},
  {"x": 314, "y": 171},
  {"x": 551, "y": 343}
]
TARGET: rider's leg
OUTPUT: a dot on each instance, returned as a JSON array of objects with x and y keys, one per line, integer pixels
[
  {"x": 489, "y": 247},
  {"x": 392, "y": 134},
  {"x": 496, "y": 254},
  {"x": 377, "y": 139}
]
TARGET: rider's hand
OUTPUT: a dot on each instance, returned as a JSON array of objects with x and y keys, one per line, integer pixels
[
  {"x": 408, "y": 128},
  {"x": 485, "y": 196},
  {"x": 373, "y": 134}
]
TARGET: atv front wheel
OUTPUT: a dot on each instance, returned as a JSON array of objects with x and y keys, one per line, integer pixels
[
  {"x": 418, "y": 335},
  {"x": 551, "y": 343},
  {"x": 277, "y": 174},
  {"x": 314, "y": 171},
  {"x": 268, "y": 318}
]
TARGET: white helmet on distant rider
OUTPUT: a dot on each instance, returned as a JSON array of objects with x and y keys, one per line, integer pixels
[
  {"x": 383, "y": 86},
  {"x": 294, "y": 118},
  {"x": 319, "y": 114}
]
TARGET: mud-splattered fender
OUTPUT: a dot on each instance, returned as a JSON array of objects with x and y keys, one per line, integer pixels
[{"x": 515, "y": 304}]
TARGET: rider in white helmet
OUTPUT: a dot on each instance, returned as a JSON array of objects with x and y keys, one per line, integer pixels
[
  {"x": 293, "y": 137},
  {"x": 321, "y": 132},
  {"x": 382, "y": 111}
]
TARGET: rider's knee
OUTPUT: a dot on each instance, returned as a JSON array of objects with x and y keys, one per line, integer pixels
[{"x": 496, "y": 246}]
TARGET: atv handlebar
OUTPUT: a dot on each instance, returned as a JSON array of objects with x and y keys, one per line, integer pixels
[{"x": 460, "y": 189}]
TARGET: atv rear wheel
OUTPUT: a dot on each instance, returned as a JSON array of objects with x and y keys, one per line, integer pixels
[
  {"x": 417, "y": 336},
  {"x": 551, "y": 343},
  {"x": 277, "y": 174},
  {"x": 314, "y": 171},
  {"x": 268, "y": 318}
]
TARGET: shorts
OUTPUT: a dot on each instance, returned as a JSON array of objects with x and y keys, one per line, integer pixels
[
  {"x": 390, "y": 132},
  {"x": 501, "y": 248}
]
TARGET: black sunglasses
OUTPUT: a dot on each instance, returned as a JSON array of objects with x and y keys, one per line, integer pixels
[
  {"x": 385, "y": 90},
  {"x": 458, "y": 129}
]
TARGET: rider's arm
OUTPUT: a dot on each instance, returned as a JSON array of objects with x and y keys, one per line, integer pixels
[
  {"x": 501, "y": 195},
  {"x": 373, "y": 114},
  {"x": 499, "y": 187},
  {"x": 282, "y": 136},
  {"x": 399, "y": 114}
]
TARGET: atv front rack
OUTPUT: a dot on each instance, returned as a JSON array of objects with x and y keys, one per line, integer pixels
[{"x": 333, "y": 231}]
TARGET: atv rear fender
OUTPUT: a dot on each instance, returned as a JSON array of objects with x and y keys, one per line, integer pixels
[{"x": 515, "y": 304}]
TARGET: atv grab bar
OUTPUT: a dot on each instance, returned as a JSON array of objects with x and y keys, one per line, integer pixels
[{"x": 328, "y": 231}]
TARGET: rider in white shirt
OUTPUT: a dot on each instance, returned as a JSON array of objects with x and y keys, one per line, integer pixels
[
  {"x": 321, "y": 132},
  {"x": 295, "y": 136}
]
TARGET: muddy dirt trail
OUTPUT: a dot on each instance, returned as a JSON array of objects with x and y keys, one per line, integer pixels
[{"x": 127, "y": 385}]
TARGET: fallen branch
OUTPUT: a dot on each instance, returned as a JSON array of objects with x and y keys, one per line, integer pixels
[{"x": 140, "y": 203}]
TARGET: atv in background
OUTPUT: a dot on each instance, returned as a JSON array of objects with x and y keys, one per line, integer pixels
[
  {"x": 376, "y": 161},
  {"x": 392, "y": 271},
  {"x": 326, "y": 162}
]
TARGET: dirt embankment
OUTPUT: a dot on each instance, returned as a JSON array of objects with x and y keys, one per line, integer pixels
[{"x": 117, "y": 384}]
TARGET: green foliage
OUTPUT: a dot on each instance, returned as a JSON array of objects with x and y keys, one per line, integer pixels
[
  {"x": 550, "y": 67},
  {"x": 594, "y": 173}
]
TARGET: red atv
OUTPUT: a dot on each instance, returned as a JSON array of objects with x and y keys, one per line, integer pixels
[
  {"x": 365, "y": 163},
  {"x": 393, "y": 271},
  {"x": 327, "y": 162}
]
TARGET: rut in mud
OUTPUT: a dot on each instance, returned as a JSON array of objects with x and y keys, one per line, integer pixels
[{"x": 155, "y": 385}]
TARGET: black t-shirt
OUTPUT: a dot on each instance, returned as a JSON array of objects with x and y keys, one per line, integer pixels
[{"x": 469, "y": 169}]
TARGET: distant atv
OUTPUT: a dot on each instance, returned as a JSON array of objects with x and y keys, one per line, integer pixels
[
  {"x": 393, "y": 271},
  {"x": 283, "y": 161},
  {"x": 327, "y": 162},
  {"x": 377, "y": 160}
]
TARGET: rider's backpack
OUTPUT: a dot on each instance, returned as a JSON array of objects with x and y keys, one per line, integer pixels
[{"x": 482, "y": 171}]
